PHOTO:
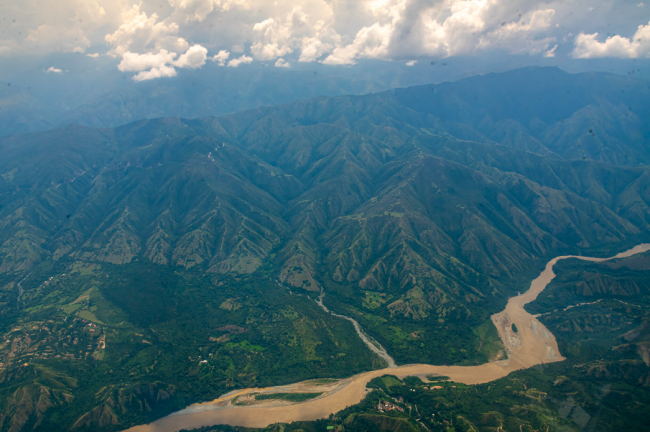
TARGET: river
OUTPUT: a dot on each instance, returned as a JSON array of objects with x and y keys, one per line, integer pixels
[{"x": 532, "y": 344}]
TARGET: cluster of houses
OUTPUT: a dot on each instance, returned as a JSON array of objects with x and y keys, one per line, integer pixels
[{"x": 384, "y": 406}]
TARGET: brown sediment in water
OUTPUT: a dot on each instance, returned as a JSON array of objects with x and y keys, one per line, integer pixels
[{"x": 533, "y": 344}]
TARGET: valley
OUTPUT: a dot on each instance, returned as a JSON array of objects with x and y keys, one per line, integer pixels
[{"x": 536, "y": 345}]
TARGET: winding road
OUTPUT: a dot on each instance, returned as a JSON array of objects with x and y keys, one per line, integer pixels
[{"x": 532, "y": 344}]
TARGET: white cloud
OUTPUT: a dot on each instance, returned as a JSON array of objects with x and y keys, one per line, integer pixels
[
  {"x": 272, "y": 39},
  {"x": 156, "y": 72},
  {"x": 193, "y": 58},
  {"x": 140, "y": 32},
  {"x": 198, "y": 10},
  {"x": 312, "y": 49},
  {"x": 159, "y": 42},
  {"x": 52, "y": 69},
  {"x": 269, "y": 51},
  {"x": 588, "y": 46},
  {"x": 411, "y": 62},
  {"x": 418, "y": 28},
  {"x": 132, "y": 62},
  {"x": 307, "y": 26},
  {"x": 95, "y": 55},
  {"x": 370, "y": 42},
  {"x": 515, "y": 37},
  {"x": 241, "y": 60},
  {"x": 221, "y": 57},
  {"x": 161, "y": 64},
  {"x": 282, "y": 63},
  {"x": 34, "y": 27},
  {"x": 194, "y": 9},
  {"x": 550, "y": 53},
  {"x": 54, "y": 38},
  {"x": 331, "y": 31}
]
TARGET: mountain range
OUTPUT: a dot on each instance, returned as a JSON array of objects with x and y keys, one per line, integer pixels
[{"x": 418, "y": 211}]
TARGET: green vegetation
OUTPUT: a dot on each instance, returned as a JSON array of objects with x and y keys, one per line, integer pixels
[
  {"x": 245, "y": 345},
  {"x": 163, "y": 346},
  {"x": 603, "y": 385},
  {"x": 580, "y": 282},
  {"x": 385, "y": 382},
  {"x": 323, "y": 381},
  {"x": 291, "y": 397},
  {"x": 489, "y": 342},
  {"x": 194, "y": 249},
  {"x": 436, "y": 378}
]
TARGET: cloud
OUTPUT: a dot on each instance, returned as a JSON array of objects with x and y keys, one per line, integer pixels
[
  {"x": 370, "y": 42},
  {"x": 52, "y": 69},
  {"x": 53, "y": 38},
  {"x": 193, "y": 58},
  {"x": 139, "y": 32},
  {"x": 221, "y": 57},
  {"x": 282, "y": 63},
  {"x": 241, "y": 60},
  {"x": 35, "y": 28},
  {"x": 160, "y": 42},
  {"x": 156, "y": 72},
  {"x": 161, "y": 64},
  {"x": 198, "y": 10},
  {"x": 269, "y": 51},
  {"x": 132, "y": 62},
  {"x": 312, "y": 49},
  {"x": 550, "y": 53},
  {"x": 514, "y": 37},
  {"x": 273, "y": 38},
  {"x": 411, "y": 62},
  {"x": 95, "y": 55},
  {"x": 330, "y": 31},
  {"x": 588, "y": 46},
  {"x": 418, "y": 28},
  {"x": 307, "y": 26}
]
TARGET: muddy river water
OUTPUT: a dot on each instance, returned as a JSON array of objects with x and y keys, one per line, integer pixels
[{"x": 532, "y": 344}]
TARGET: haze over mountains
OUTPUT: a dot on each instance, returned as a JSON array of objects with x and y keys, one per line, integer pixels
[
  {"x": 92, "y": 92},
  {"x": 416, "y": 209},
  {"x": 110, "y": 100}
]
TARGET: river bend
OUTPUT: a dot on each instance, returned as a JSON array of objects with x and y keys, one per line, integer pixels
[{"x": 532, "y": 344}]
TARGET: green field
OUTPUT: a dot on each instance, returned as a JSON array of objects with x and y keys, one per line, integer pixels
[{"x": 291, "y": 397}]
